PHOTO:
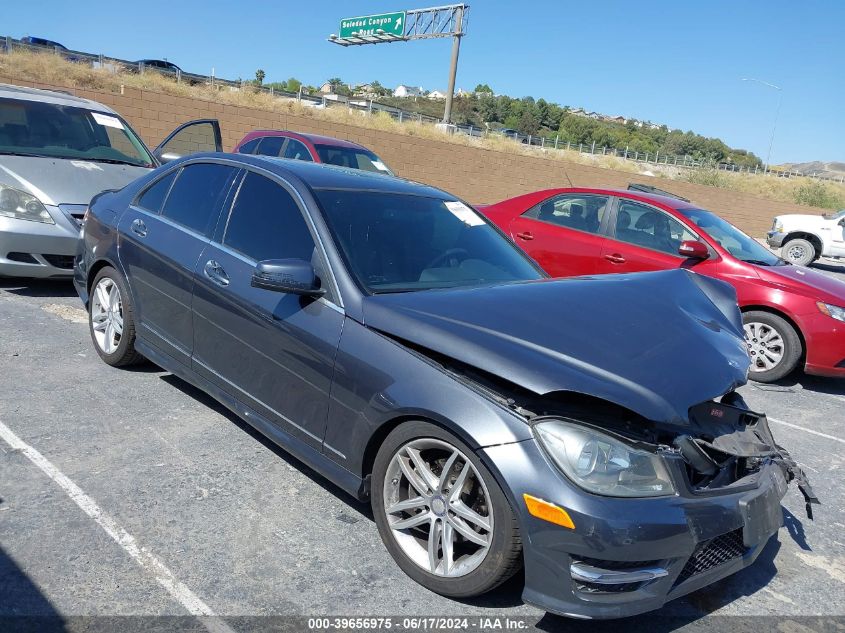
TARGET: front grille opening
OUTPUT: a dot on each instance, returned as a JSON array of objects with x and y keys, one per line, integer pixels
[
  {"x": 23, "y": 258},
  {"x": 712, "y": 553},
  {"x": 60, "y": 261}
]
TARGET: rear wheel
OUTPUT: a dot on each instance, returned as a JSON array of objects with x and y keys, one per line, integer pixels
[
  {"x": 773, "y": 344},
  {"x": 441, "y": 514},
  {"x": 111, "y": 320},
  {"x": 799, "y": 251}
]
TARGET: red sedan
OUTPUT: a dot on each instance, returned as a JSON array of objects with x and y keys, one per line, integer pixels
[
  {"x": 311, "y": 147},
  {"x": 792, "y": 314}
]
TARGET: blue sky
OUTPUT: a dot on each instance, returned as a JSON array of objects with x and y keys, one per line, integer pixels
[{"x": 678, "y": 63}]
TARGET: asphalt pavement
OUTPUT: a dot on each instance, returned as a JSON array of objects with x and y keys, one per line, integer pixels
[{"x": 130, "y": 493}]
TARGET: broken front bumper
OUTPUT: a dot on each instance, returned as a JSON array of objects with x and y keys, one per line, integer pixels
[{"x": 628, "y": 556}]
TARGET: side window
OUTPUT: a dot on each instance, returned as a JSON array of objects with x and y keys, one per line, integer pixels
[
  {"x": 297, "y": 151},
  {"x": 645, "y": 226},
  {"x": 266, "y": 223},
  {"x": 192, "y": 138},
  {"x": 572, "y": 211},
  {"x": 270, "y": 146},
  {"x": 154, "y": 196},
  {"x": 194, "y": 197},
  {"x": 249, "y": 146}
]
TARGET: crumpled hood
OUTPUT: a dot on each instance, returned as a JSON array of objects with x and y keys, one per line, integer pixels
[
  {"x": 57, "y": 181},
  {"x": 656, "y": 343}
]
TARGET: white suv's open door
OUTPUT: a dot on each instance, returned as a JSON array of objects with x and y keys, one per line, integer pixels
[{"x": 202, "y": 135}]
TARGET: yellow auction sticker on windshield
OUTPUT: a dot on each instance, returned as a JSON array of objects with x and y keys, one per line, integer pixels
[
  {"x": 464, "y": 213},
  {"x": 107, "y": 120}
]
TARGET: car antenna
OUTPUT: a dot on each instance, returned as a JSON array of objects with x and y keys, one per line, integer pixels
[{"x": 568, "y": 179}]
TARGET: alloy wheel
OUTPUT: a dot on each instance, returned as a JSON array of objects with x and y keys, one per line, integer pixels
[
  {"x": 107, "y": 315},
  {"x": 438, "y": 507},
  {"x": 765, "y": 346}
]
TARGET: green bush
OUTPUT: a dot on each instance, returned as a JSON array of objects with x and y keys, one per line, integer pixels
[
  {"x": 709, "y": 177},
  {"x": 819, "y": 194}
]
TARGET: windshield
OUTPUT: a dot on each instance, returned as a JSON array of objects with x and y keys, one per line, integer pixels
[
  {"x": 835, "y": 215},
  {"x": 352, "y": 157},
  {"x": 732, "y": 239},
  {"x": 400, "y": 242},
  {"x": 35, "y": 128}
]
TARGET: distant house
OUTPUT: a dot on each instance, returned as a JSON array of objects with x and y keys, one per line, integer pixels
[
  {"x": 593, "y": 115},
  {"x": 436, "y": 94},
  {"x": 578, "y": 112},
  {"x": 364, "y": 89},
  {"x": 327, "y": 88},
  {"x": 619, "y": 119},
  {"x": 408, "y": 91}
]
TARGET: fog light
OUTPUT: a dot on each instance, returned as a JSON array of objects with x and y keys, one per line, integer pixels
[{"x": 548, "y": 511}]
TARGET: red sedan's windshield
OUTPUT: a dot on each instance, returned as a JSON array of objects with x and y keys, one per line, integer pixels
[{"x": 730, "y": 238}]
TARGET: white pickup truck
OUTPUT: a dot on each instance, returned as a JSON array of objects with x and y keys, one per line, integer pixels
[{"x": 804, "y": 238}]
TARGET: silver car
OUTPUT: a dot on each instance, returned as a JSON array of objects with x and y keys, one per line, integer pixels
[{"x": 57, "y": 152}]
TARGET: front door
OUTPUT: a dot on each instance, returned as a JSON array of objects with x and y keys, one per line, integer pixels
[
  {"x": 564, "y": 234},
  {"x": 272, "y": 351},
  {"x": 643, "y": 238},
  {"x": 202, "y": 135},
  {"x": 161, "y": 237}
]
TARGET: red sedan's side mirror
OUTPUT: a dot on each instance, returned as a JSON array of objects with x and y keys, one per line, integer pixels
[{"x": 693, "y": 250}]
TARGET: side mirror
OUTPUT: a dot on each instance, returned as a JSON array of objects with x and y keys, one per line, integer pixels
[
  {"x": 693, "y": 250},
  {"x": 294, "y": 276},
  {"x": 842, "y": 222}
]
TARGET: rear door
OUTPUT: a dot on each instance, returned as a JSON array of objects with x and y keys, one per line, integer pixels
[
  {"x": 642, "y": 238},
  {"x": 161, "y": 237},
  {"x": 273, "y": 351},
  {"x": 202, "y": 135},
  {"x": 564, "y": 233}
]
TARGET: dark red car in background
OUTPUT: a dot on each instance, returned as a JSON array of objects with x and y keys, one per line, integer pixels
[
  {"x": 311, "y": 147},
  {"x": 792, "y": 314}
]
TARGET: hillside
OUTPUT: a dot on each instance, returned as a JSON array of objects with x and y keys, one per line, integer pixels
[{"x": 831, "y": 169}]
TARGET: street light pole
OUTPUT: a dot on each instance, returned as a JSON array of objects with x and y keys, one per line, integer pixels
[
  {"x": 453, "y": 70},
  {"x": 777, "y": 113}
]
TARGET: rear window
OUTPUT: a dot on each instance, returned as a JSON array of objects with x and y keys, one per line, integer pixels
[{"x": 353, "y": 158}]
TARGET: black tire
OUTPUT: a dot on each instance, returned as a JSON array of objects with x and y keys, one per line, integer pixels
[
  {"x": 800, "y": 252},
  {"x": 504, "y": 556},
  {"x": 791, "y": 346},
  {"x": 125, "y": 353}
]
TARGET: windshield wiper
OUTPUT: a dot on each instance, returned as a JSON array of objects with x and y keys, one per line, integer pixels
[
  {"x": 116, "y": 161},
  {"x": 27, "y": 154}
]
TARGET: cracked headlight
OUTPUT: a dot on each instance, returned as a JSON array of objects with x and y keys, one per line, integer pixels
[
  {"x": 22, "y": 206},
  {"x": 832, "y": 311},
  {"x": 602, "y": 464}
]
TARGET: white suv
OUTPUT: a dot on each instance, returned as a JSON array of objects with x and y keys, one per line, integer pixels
[{"x": 804, "y": 238}]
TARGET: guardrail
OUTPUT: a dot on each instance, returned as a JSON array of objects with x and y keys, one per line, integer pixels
[{"x": 370, "y": 106}]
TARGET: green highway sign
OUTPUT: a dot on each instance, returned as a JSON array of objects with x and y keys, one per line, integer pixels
[{"x": 390, "y": 23}]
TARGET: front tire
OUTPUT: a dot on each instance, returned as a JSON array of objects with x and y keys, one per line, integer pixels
[
  {"x": 441, "y": 514},
  {"x": 773, "y": 344},
  {"x": 799, "y": 251},
  {"x": 111, "y": 319}
]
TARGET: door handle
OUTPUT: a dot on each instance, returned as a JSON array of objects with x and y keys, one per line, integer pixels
[
  {"x": 615, "y": 258},
  {"x": 525, "y": 235},
  {"x": 139, "y": 228},
  {"x": 215, "y": 273}
]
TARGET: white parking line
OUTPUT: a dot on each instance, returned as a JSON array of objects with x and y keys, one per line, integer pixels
[
  {"x": 180, "y": 592},
  {"x": 802, "y": 428}
]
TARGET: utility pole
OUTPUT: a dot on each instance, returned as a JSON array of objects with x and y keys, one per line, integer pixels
[
  {"x": 453, "y": 70},
  {"x": 777, "y": 114}
]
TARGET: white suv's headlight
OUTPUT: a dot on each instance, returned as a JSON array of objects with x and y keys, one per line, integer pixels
[
  {"x": 20, "y": 205},
  {"x": 603, "y": 464},
  {"x": 832, "y": 311}
]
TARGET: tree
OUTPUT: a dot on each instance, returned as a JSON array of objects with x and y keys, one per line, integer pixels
[
  {"x": 483, "y": 88},
  {"x": 259, "y": 77},
  {"x": 293, "y": 84},
  {"x": 529, "y": 123},
  {"x": 335, "y": 83}
]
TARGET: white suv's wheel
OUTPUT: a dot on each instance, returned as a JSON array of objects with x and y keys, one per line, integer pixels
[{"x": 799, "y": 252}]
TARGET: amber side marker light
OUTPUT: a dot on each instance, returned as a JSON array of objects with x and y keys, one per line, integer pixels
[{"x": 547, "y": 511}]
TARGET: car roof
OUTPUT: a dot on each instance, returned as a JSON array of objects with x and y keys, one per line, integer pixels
[
  {"x": 8, "y": 91},
  {"x": 321, "y": 176},
  {"x": 667, "y": 201},
  {"x": 313, "y": 138}
]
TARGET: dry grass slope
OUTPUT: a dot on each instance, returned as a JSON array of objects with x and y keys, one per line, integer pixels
[{"x": 52, "y": 69}]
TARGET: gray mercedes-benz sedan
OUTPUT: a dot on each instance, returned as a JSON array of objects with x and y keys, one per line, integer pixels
[
  {"x": 58, "y": 151},
  {"x": 390, "y": 337}
]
